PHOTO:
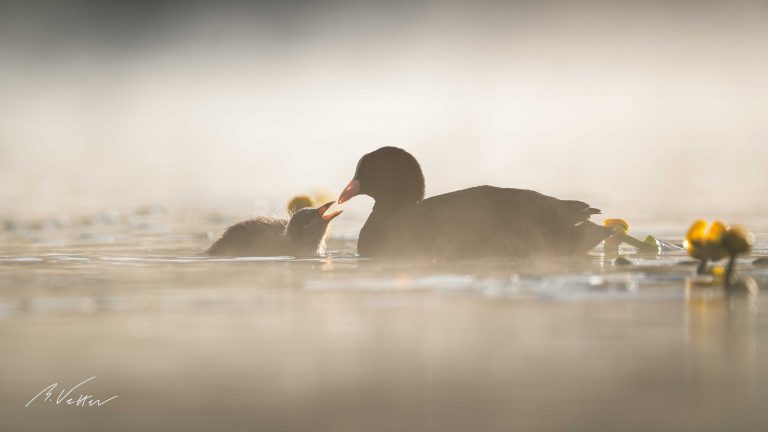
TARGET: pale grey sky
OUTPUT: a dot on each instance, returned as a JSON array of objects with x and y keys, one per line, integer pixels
[{"x": 618, "y": 103}]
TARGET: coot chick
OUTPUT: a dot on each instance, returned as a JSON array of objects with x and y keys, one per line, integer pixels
[
  {"x": 302, "y": 235},
  {"x": 482, "y": 221}
]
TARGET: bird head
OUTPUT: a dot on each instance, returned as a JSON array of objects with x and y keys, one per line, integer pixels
[
  {"x": 307, "y": 227},
  {"x": 389, "y": 174}
]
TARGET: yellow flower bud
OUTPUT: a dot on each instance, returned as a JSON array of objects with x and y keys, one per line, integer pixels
[
  {"x": 299, "y": 202},
  {"x": 697, "y": 234},
  {"x": 716, "y": 231},
  {"x": 703, "y": 241},
  {"x": 617, "y": 224},
  {"x": 737, "y": 240}
]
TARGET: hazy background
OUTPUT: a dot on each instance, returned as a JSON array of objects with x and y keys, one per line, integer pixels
[{"x": 649, "y": 104}]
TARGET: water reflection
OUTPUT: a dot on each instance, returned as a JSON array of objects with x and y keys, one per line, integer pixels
[
  {"x": 722, "y": 340},
  {"x": 581, "y": 344}
]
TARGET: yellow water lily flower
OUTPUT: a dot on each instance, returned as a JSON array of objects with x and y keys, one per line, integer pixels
[
  {"x": 621, "y": 235},
  {"x": 620, "y": 224},
  {"x": 299, "y": 202},
  {"x": 697, "y": 232},
  {"x": 703, "y": 240},
  {"x": 621, "y": 228},
  {"x": 716, "y": 241}
]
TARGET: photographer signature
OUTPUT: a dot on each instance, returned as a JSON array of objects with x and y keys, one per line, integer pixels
[{"x": 83, "y": 399}]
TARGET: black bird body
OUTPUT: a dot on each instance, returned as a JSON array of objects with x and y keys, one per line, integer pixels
[
  {"x": 301, "y": 235},
  {"x": 260, "y": 236},
  {"x": 483, "y": 221}
]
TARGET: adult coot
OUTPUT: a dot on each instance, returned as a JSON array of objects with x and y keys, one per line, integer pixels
[
  {"x": 482, "y": 221},
  {"x": 302, "y": 235}
]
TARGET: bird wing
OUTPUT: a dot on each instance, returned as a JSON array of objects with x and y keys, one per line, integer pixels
[
  {"x": 487, "y": 220},
  {"x": 248, "y": 237}
]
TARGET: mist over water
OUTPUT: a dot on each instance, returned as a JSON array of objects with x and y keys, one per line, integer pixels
[
  {"x": 133, "y": 133},
  {"x": 627, "y": 105}
]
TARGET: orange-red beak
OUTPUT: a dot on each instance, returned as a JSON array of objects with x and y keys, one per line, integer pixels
[
  {"x": 324, "y": 208},
  {"x": 352, "y": 189}
]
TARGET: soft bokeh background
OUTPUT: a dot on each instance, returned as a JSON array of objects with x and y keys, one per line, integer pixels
[{"x": 650, "y": 105}]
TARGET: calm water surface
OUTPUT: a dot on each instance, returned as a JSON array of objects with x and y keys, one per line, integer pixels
[{"x": 340, "y": 343}]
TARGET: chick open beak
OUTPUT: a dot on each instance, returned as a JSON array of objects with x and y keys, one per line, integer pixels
[
  {"x": 352, "y": 189},
  {"x": 324, "y": 208}
]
